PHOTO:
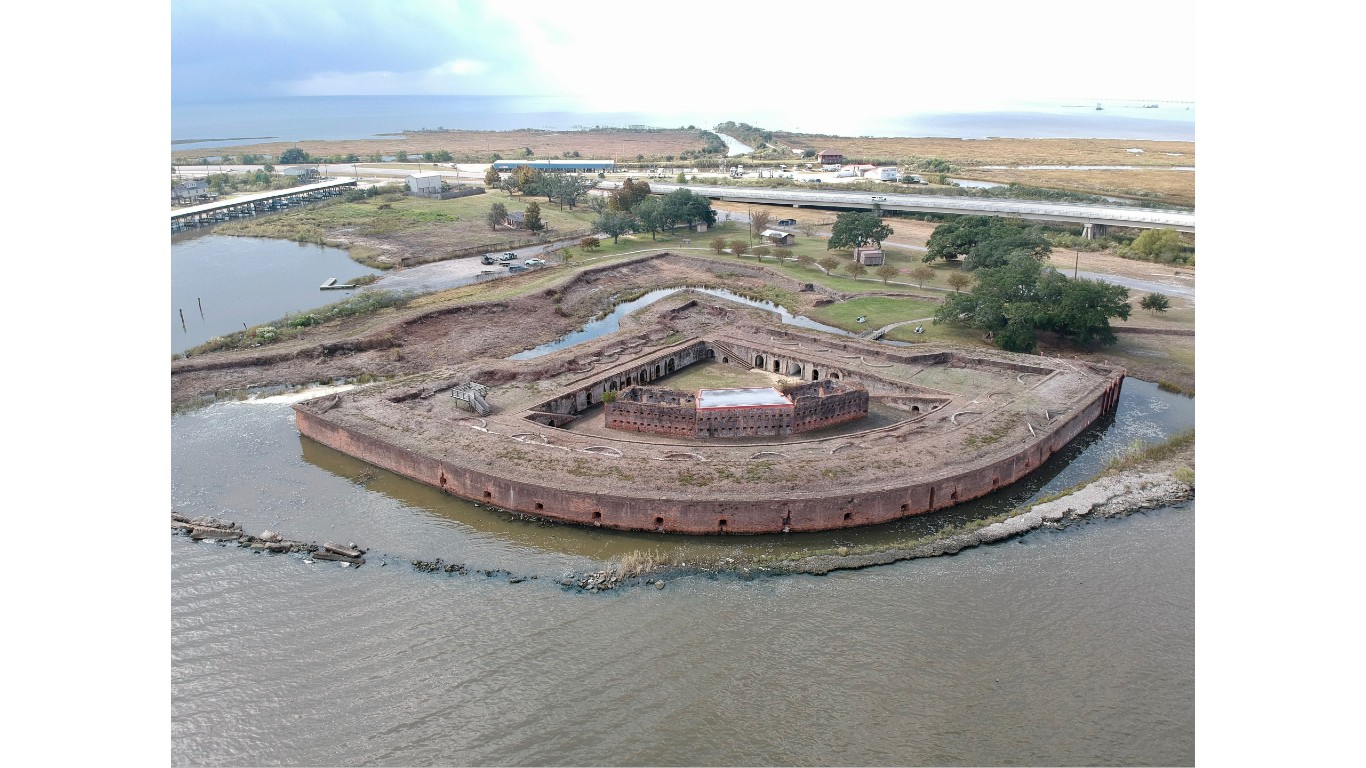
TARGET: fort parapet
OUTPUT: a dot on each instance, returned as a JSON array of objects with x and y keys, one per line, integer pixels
[
  {"x": 953, "y": 424},
  {"x": 746, "y": 412}
]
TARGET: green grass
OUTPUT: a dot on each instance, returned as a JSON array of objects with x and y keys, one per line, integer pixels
[
  {"x": 715, "y": 376},
  {"x": 461, "y": 220},
  {"x": 880, "y": 311}
]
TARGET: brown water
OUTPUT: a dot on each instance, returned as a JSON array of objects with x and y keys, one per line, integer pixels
[{"x": 1062, "y": 648}]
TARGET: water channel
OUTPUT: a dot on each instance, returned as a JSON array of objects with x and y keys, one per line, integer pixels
[
  {"x": 611, "y": 322},
  {"x": 1062, "y": 647},
  {"x": 221, "y": 284}
]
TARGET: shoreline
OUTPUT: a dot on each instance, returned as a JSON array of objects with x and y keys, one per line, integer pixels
[{"x": 1152, "y": 485}]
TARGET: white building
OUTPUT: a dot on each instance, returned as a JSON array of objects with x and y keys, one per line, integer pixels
[
  {"x": 424, "y": 183},
  {"x": 884, "y": 173}
]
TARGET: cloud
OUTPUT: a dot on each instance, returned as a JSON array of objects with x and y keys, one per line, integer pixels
[{"x": 857, "y": 56}]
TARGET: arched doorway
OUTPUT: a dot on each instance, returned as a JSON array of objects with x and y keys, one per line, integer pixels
[
  {"x": 759, "y": 362},
  {"x": 815, "y": 374}
]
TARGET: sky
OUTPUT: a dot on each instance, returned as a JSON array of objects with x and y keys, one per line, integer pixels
[{"x": 635, "y": 55}]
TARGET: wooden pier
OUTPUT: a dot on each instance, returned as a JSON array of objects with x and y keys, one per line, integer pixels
[{"x": 250, "y": 205}]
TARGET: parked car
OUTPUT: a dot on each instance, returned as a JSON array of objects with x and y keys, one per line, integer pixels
[
  {"x": 509, "y": 256},
  {"x": 488, "y": 260},
  {"x": 534, "y": 262},
  {"x": 879, "y": 199},
  {"x": 516, "y": 268}
]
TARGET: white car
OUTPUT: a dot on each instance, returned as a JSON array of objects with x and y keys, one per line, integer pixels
[{"x": 534, "y": 262}]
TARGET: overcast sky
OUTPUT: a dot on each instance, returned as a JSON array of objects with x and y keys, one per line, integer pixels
[{"x": 634, "y": 54}]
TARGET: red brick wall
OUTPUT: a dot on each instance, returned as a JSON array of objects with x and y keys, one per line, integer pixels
[{"x": 640, "y": 509}]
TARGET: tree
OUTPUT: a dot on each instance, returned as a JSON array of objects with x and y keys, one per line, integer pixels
[
  {"x": 650, "y": 213},
  {"x": 496, "y": 215},
  {"x": 1155, "y": 302},
  {"x": 442, "y": 156},
  {"x": 590, "y": 243},
  {"x": 629, "y": 194},
  {"x": 293, "y": 155},
  {"x": 738, "y": 248},
  {"x": 959, "y": 280},
  {"x": 760, "y": 251},
  {"x": 718, "y": 244},
  {"x": 855, "y": 268},
  {"x": 828, "y": 263},
  {"x": 758, "y": 221},
  {"x": 568, "y": 188},
  {"x": 1015, "y": 301},
  {"x": 598, "y": 204},
  {"x": 615, "y": 223},
  {"x": 986, "y": 241},
  {"x": 533, "y": 218},
  {"x": 887, "y": 272},
  {"x": 1158, "y": 244},
  {"x": 401, "y": 156},
  {"x": 680, "y": 178},
  {"x": 922, "y": 274},
  {"x": 806, "y": 260},
  {"x": 492, "y": 177},
  {"x": 526, "y": 180},
  {"x": 857, "y": 228},
  {"x": 782, "y": 253}
]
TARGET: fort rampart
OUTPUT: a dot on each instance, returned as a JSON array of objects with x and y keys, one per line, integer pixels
[{"x": 571, "y": 478}]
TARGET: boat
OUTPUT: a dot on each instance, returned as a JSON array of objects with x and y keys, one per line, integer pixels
[{"x": 1099, "y": 107}]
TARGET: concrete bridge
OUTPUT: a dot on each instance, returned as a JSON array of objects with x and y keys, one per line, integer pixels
[
  {"x": 260, "y": 202},
  {"x": 1093, "y": 218}
]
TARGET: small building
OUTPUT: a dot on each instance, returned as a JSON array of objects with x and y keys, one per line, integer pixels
[
  {"x": 830, "y": 157},
  {"x": 787, "y": 222},
  {"x": 516, "y": 219},
  {"x": 777, "y": 236},
  {"x": 425, "y": 183},
  {"x": 701, "y": 226},
  {"x": 189, "y": 191},
  {"x": 869, "y": 257},
  {"x": 302, "y": 173},
  {"x": 883, "y": 173}
]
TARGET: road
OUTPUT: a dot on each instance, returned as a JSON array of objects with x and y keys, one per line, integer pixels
[{"x": 1116, "y": 215}]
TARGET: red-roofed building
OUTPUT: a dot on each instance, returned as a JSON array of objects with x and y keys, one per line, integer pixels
[{"x": 830, "y": 157}]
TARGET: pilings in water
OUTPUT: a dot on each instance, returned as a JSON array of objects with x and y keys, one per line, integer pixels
[{"x": 215, "y": 529}]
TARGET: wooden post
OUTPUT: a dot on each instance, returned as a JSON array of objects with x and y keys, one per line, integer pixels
[
  {"x": 201, "y": 308},
  {"x": 182, "y": 322}
]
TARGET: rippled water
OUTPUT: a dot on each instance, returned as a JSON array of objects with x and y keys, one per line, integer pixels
[{"x": 1064, "y": 647}]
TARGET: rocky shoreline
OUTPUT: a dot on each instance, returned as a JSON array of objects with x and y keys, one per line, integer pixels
[{"x": 1114, "y": 496}]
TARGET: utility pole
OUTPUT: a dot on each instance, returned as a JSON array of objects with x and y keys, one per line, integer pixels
[{"x": 1077, "y": 264}]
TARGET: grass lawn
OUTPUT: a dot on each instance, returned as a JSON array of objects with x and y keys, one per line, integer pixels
[
  {"x": 716, "y": 376},
  {"x": 880, "y": 311},
  {"x": 422, "y": 224}
]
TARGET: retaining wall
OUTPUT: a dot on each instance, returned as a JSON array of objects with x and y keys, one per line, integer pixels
[{"x": 639, "y": 509}]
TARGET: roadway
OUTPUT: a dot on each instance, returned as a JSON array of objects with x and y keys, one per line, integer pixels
[{"x": 1077, "y": 213}]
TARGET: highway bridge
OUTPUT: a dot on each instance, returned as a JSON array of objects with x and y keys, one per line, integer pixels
[{"x": 1093, "y": 218}]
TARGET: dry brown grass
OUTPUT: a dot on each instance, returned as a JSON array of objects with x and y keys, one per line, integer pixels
[
  {"x": 1003, "y": 151},
  {"x": 478, "y": 146},
  {"x": 1175, "y": 187}
]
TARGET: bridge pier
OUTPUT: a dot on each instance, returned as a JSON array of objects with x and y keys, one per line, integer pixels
[{"x": 1092, "y": 231}]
